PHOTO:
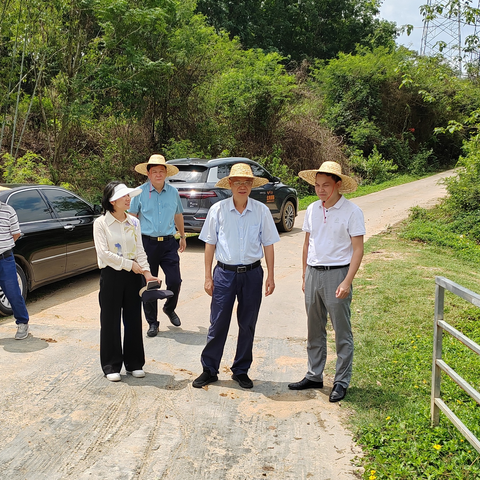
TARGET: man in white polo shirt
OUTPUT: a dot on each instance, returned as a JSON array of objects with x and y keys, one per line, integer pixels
[
  {"x": 9, "y": 233},
  {"x": 332, "y": 252}
]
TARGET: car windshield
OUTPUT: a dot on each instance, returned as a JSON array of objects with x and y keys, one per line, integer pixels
[{"x": 189, "y": 174}]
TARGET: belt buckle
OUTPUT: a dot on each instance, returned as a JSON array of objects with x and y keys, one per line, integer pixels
[
  {"x": 241, "y": 269},
  {"x": 160, "y": 239}
]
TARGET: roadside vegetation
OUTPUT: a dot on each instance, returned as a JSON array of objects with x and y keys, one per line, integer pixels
[
  {"x": 389, "y": 396},
  {"x": 90, "y": 88},
  {"x": 393, "y": 316}
]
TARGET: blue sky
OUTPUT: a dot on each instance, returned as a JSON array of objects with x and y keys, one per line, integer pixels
[{"x": 404, "y": 12}]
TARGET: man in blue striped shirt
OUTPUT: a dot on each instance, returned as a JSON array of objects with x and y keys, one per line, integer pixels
[{"x": 238, "y": 231}]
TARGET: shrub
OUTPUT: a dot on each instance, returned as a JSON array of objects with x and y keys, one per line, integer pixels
[
  {"x": 464, "y": 188},
  {"x": 374, "y": 169},
  {"x": 27, "y": 169},
  {"x": 422, "y": 162},
  {"x": 182, "y": 149},
  {"x": 274, "y": 164}
]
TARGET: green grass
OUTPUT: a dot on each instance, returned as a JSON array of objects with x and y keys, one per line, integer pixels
[
  {"x": 393, "y": 309},
  {"x": 439, "y": 226},
  {"x": 365, "y": 189}
]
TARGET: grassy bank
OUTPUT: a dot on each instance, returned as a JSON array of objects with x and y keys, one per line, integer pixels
[{"x": 393, "y": 310}]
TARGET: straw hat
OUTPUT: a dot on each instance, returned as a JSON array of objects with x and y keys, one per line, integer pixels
[
  {"x": 348, "y": 183},
  {"x": 156, "y": 160},
  {"x": 244, "y": 171}
]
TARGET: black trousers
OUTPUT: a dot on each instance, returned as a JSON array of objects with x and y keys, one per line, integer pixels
[
  {"x": 163, "y": 255},
  {"x": 119, "y": 298}
]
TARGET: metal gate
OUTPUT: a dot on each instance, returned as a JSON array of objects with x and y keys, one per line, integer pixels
[{"x": 440, "y": 326}]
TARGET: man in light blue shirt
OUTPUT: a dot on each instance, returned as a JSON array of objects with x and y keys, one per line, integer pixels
[
  {"x": 238, "y": 231},
  {"x": 159, "y": 209}
]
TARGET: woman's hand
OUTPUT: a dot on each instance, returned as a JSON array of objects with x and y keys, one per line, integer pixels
[
  {"x": 150, "y": 278},
  {"x": 136, "y": 268}
]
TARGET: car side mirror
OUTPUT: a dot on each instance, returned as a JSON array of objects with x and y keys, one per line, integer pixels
[
  {"x": 276, "y": 180},
  {"x": 97, "y": 209}
]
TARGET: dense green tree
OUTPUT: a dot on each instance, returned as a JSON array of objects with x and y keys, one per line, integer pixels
[
  {"x": 94, "y": 86},
  {"x": 307, "y": 29},
  {"x": 117, "y": 79},
  {"x": 393, "y": 101}
]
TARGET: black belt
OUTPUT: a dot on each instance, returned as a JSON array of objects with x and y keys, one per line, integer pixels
[
  {"x": 239, "y": 268},
  {"x": 328, "y": 267},
  {"x": 5, "y": 254},
  {"x": 160, "y": 239}
]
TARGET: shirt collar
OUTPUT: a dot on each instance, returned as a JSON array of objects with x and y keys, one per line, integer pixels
[
  {"x": 340, "y": 202},
  {"x": 151, "y": 188},
  {"x": 231, "y": 205},
  {"x": 109, "y": 219}
]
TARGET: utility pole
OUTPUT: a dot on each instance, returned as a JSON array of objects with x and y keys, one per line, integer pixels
[{"x": 443, "y": 35}]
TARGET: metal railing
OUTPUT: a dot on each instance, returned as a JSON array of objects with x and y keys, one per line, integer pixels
[{"x": 437, "y": 404}]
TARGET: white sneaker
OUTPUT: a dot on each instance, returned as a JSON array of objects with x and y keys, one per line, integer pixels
[
  {"x": 137, "y": 373},
  {"x": 114, "y": 377},
  {"x": 22, "y": 331}
]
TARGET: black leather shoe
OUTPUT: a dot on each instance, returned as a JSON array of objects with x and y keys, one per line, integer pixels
[
  {"x": 305, "y": 383},
  {"x": 338, "y": 393},
  {"x": 152, "y": 330},
  {"x": 204, "y": 379},
  {"x": 174, "y": 320},
  {"x": 243, "y": 380}
]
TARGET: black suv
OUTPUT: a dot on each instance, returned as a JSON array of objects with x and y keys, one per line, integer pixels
[
  {"x": 196, "y": 181},
  {"x": 57, "y": 235}
]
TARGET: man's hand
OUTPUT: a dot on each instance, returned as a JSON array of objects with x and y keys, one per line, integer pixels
[
  {"x": 269, "y": 286},
  {"x": 182, "y": 244},
  {"x": 208, "y": 286},
  {"x": 343, "y": 290}
]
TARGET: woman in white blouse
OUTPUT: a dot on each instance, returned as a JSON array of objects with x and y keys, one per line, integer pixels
[{"x": 123, "y": 262}]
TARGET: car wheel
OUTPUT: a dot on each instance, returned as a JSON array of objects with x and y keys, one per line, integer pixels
[
  {"x": 287, "y": 219},
  {"x": 5, "y": 308}
]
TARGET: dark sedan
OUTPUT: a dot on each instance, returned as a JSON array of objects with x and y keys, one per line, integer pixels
[
  {"x": 196, "y": 181},
  {"x": 57, "y": 235}
]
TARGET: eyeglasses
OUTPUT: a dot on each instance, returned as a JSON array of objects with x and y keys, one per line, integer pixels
[{"x": 247, "y": 183}]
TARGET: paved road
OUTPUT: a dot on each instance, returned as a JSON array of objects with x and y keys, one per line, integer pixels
[{"x": 60, "y": 418}]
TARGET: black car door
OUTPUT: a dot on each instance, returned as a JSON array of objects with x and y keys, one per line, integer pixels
[
  {"x": 77, "y": 219},
  {"x": 42, "y": 243}
]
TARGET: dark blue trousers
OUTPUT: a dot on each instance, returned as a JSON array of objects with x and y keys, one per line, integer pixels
[
  {"x": 228, "y": 286},
  {"x": 11, "y": 289},
  {"x": 163, "y": 255}
]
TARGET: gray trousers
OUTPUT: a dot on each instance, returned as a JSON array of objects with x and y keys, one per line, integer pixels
[{"x": 320, "y": 287}]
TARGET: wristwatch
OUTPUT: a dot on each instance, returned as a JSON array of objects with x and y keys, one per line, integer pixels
[{"x": 183, "y": 236}]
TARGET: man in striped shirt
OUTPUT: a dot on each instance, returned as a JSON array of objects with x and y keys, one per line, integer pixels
[{"x": 9, "y": 233}]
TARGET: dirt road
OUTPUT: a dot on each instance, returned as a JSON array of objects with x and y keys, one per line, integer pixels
[{"x": 61, "y": 419}]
